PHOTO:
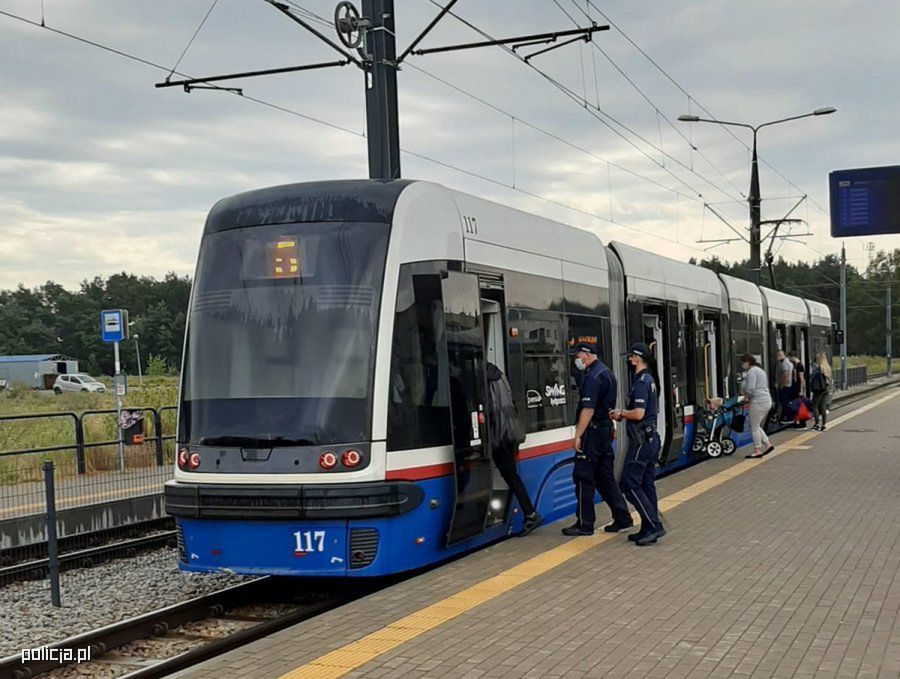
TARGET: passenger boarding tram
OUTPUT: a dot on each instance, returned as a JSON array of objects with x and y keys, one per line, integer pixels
[{"x": 331, "y": 418}]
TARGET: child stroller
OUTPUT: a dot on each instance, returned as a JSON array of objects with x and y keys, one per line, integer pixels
[{"x": 712, "y": 427}]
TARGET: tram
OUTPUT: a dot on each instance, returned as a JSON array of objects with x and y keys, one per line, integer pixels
[{"x": 331, "y": 412}]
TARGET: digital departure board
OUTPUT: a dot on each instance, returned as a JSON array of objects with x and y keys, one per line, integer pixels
[{"x": 865, "y": 202}]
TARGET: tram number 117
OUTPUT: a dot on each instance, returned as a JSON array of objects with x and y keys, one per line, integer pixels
[{"x": 309, "y": 541}]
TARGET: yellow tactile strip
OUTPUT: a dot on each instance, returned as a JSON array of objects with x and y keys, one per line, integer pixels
[{"x": 358, "y": 653}]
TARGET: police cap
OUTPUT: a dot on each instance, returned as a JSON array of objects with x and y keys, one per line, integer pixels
[
  {"x": 638, "y": 349},
  {"x": 585, "y": 347}
]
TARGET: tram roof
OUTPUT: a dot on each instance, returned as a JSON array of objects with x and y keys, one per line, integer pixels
[
  {"x": 743, "y": 295},
  {"x": 653, "y": 276},
  {"x": 784, "y": 307},
  {"x": 819, "y": 313},
  {"x": 344, "y": 200}
]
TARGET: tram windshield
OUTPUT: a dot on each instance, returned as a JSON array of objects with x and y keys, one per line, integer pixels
[{"x": 281, "y": 335}]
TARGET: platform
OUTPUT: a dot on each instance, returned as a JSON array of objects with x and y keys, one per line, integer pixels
[
  {"x": 85, "y": 503},
  {"x": 785, "y": 567}
]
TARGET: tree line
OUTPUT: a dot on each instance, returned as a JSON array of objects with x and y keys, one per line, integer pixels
[
  {"x": 49, "y": 319},
  {"x": 820, "y": 281}
]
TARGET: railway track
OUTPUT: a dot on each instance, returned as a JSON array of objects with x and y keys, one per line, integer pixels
[
  {"x": 85, "y": 540},
  {"x": 85, "y": 558},
  {"x": 167, "y": 640}
]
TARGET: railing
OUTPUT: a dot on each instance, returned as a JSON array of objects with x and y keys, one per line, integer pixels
[
  {"x": 80, "y": 445},
  {"x": 856, "y": 376},
  {"x": 96, "y": 489}
]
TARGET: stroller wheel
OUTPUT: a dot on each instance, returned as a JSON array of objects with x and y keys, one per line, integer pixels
[
  {"x": 714, "y": 449},
  {"x": 699, "y": 443},
  {"x": 728, "y": 446}
]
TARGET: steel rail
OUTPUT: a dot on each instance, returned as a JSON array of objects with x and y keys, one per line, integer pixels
[{"x": 85, "y": 558}]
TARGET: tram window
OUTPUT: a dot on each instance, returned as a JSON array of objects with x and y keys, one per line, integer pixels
[
  {"x": 586, "y": 299},
  {"x": 527, "y": 291},
  {"x": 285, "y": 356},
  {"x": 419, "y": 401},
  {"x": 541, "y": 339}
]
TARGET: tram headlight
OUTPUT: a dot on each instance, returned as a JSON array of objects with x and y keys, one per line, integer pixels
[
  {"x": 351, "y": 458},
  {"x": 182, "y": 458},
  {"x": 194, "y": 460},
  {"x": 327, "y": 460}
]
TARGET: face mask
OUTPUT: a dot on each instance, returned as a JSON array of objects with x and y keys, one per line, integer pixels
[{"x": 580, "y": 364}]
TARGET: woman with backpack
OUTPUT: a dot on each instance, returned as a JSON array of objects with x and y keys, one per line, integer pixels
[{"x": 820, "y": 385}]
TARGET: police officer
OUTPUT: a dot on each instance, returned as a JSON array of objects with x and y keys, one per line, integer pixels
[
  {"x": 643, "y": 445},
  {"x": 593, "y": 445}
]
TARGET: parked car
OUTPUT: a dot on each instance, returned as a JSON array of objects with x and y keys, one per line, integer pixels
[{"x": 77, "y": 382}]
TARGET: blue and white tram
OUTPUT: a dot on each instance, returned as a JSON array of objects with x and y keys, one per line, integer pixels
[{"x": 331, "y": 418}]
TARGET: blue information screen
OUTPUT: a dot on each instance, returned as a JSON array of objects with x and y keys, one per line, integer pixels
[{"x": 865, "y": 202}]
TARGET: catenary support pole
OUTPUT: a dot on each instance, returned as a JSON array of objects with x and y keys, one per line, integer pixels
[
  {"x": 889, "y": 329},
  {"x": 382, "y": 122},
  {"x": 844, "y": 317}
]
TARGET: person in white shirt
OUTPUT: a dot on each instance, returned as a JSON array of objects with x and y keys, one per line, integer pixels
[{"x": 756, "y": 389}]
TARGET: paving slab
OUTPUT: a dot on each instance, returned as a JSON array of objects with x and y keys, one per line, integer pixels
[{"x": 786, "y": 567}]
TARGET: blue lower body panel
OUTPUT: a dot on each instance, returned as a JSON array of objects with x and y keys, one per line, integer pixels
[
  {"x": 392, "y": 545},
  {"x": 405, "y": 542}
]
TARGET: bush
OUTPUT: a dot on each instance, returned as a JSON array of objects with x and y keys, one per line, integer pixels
[{"x": 157, "y": 366}]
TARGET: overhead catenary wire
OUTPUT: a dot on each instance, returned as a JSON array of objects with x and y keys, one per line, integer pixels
[
  {"x": 531, "y": 125},
  {"x": 590, "y": 4},
  {"x": 322, "y": 20},
  {"x": 609, "y": 121},
  {"x": 692, "y": 98},
  {"x": 653, "y": 105},
  {"x": 552, "y": 135},
  {"x": 340, "y": 128},
  {"x": 193, "y": 37}
]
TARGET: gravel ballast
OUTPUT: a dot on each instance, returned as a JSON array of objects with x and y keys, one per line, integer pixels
[{"x": 93, "y": 597}]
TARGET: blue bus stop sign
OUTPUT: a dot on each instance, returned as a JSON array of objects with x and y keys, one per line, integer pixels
[{"x": 113, "y": 325}]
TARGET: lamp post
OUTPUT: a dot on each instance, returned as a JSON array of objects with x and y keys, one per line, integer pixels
[
  {"x": 754, "y": 198},
  {"x": 137, "y": 350}
]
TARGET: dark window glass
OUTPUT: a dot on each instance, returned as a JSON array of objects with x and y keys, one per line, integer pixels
[
  {"x": 586, "y": 299},
  {"x": 526, "y": 291},
  {"x": 419, "y": 399},
  {"x": 543, "y": 388},
  {"x": 282, "y": 329}
]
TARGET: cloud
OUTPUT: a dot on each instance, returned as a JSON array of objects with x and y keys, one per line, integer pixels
[{"x": 102, "y": 172}]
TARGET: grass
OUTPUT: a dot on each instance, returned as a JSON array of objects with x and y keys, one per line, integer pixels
[
  {"x": 60, "y": 431},
  {"x": 873, "y": 364}
]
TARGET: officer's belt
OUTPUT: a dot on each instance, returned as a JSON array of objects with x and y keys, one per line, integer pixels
[
  {"x": 640, "y": 431},
  {"x": 599, "y": 424}
]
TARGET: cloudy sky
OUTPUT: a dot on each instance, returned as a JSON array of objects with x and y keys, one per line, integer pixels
[{"x": 101, "y": 172}]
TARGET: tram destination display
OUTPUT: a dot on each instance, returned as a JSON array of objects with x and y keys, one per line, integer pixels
[{"x": 865, "y": 201}]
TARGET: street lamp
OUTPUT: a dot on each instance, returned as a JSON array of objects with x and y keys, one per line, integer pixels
[
  {"x": 137, "y": 350},
  {"x": 754, "y": 198}
]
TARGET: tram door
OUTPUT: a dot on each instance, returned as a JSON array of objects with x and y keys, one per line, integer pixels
[
  {"x": 803, "y": 342},
  {"x": 653, "y": 338},
  {"x": 710, "y": 359},
  {"x": 466, "y": 363}
]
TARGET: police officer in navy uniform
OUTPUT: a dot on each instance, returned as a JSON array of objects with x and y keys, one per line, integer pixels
[
  {"x": 594, "y": 468},
  {"x": 643, "y": 445}
]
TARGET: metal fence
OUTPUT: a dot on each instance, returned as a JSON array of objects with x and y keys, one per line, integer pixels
[
  {"x": 106, "y": 485},
  {"x": 857, "y": 376}
]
